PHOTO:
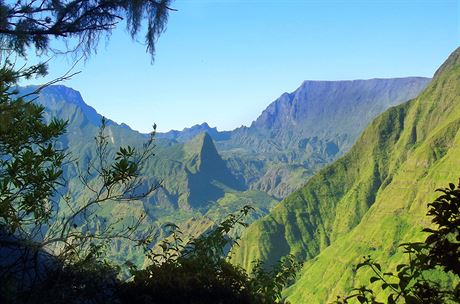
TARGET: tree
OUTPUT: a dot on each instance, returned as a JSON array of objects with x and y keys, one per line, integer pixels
[
  {"x": 31, "y": 162},
  {"x": 198, "y": 271},
  {"x": 31, "y": 23}
]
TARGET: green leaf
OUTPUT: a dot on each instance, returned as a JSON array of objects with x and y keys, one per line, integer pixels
[{"x": 374, "y": 279}]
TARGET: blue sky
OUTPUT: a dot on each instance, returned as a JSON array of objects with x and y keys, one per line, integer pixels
[{"x": 224, "y": 61}]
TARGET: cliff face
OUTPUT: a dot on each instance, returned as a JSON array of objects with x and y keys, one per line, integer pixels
[{"x": 303, "y": 131}]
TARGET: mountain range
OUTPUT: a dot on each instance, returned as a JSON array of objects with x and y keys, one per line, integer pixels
[
  {"x": 300, "y": 132},
  {"x": 207, "y": 174}
]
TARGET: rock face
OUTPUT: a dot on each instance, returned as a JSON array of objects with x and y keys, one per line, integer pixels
[
  {"x": 337, "y": 111},
  {"x": 370, "y": 200},
  {"x": 332, "y": 107}
]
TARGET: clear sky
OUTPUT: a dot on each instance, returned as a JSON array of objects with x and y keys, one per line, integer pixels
[{"x": 224, "y": 61}]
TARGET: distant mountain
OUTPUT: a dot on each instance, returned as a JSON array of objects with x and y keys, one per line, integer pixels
[
  {"x": 332, "y": 109},
  {"x": 371, "y": 199},
  {"x": 302, "y": 131},
  {"x": 195, "y": 162},
  {"x": 188, "y": 133}
]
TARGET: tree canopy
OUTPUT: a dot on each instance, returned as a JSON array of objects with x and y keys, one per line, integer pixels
[{"x": 32, "y": 23}]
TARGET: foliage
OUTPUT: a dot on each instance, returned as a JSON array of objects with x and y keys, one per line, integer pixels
[
  {"x": 30, "y": 161},
  {"x": 444, "y": 242},
  {"x": 89, "y": 280},
  {"x": 270, "y": 283},
  {"x": 30, "y": 23},
  {"x": 197, "y": 271},
  {"x": 408, "y": 284}
]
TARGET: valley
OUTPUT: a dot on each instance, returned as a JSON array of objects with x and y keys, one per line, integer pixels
[{"x": 206, "y": 174}]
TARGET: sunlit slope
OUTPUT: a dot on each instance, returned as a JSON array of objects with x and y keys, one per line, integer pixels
[{"x": 371, "y": 199}]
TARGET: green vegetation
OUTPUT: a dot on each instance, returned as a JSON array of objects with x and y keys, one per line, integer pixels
[
  {"x": 55, "y": 233},
  {"x": 432, "y": 273},
  {"x": 370, "y": 200},
  {"x": 197, "y": 271}
]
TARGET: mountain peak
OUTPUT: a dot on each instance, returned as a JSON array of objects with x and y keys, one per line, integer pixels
[
  {"x": 452, "y": 61},
  {"x": 205, "y": 125},
  {"x": 203, "y": 145},
  {"x": 198, "y": 127},
  {"x": 205, "y": 164},
  {"x": 189, "y": 133}
]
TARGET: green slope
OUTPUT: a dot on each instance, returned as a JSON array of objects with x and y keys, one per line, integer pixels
[{"x": 371, "y": 199}]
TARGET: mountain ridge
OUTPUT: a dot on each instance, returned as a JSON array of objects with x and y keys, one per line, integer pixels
[
  {"x": 302, "y": 131},
  {"x": 184, "y": 134}
]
